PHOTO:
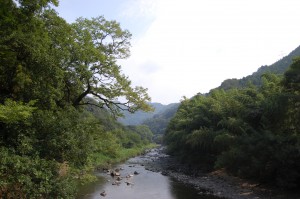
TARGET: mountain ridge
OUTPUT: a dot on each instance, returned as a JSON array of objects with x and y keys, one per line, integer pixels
[
  {"x": 278, "y": 67},
  {"x": 138, "y": 117}
]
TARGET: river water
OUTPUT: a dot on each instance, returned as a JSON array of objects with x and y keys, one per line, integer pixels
[{"x": 145, "y": 184}]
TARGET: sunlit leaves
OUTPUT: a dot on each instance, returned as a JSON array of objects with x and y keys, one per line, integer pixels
[
  {"x": 13, "y": 112},
  {"x": 99, "y": 43}
]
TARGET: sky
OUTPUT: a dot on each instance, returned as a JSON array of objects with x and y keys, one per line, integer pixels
[{"x": 184, "y": 47}]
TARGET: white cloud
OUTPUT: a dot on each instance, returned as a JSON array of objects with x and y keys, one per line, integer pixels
[
  {"x": 182, "y": 47},
  {"x": 196, "y": 44}
]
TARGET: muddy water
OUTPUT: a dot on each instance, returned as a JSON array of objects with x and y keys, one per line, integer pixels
[{"x": 144, "y": 185}]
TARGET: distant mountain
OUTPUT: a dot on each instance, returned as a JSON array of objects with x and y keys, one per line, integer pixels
[
  {"x": 159, "y": 122},
  {"x": 139, "y": 117},
  {"x": 278, "y": 67}
]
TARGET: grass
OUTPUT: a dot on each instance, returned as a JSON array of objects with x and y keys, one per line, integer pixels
[{"x": 99, "y": 160}]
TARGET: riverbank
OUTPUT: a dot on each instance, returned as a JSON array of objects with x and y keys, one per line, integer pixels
[
  {"x": 131, "y": 180},
  {"x": 105, "y": 160},
  {"x": 98, "y": 161},
  {"x": 216, "y": 183}
]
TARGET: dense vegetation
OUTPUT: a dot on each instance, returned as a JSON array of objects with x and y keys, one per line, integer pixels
[
  {"x": 252, "y": 132},
  {"x": 54, "y": 76},
  {"x": 159, "y": 122}
]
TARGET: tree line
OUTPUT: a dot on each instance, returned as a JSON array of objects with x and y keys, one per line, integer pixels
[
  {"x": 54, "y": 77},
  {"x": 253, "y": 132}
]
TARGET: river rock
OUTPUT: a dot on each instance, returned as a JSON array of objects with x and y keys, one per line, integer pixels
[
  {"x": 116, "y": 183},
  {"x": 119, "y": 178},
  {"x": 129, "y": 183},
  {"x": 103, "y": 194}
]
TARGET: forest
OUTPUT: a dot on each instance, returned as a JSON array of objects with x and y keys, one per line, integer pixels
[
  {"x": 251, "y": 131},
  {"x": 59, "y": 90}
]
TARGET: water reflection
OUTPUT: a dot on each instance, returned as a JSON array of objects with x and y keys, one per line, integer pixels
[{"x": 146, "y": 185}]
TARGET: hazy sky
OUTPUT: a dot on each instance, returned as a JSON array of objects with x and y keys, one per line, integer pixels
[{"x": 183, "y": 47}]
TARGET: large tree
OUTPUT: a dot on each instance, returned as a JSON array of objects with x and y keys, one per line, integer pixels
[
  {"x": 93, "y": 69},
  {"x": 45, "y": 58},
  {"x": 47, "y": 67}
]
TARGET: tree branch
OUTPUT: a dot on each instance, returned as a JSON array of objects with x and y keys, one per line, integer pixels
[{"x": 82, "y": 95}]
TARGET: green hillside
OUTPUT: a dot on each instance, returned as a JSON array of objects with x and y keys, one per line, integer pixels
[
  {"x": 140, "y": 116},
  {"x": 159, "y": 122},
  {"x": 250, "y": 130}
]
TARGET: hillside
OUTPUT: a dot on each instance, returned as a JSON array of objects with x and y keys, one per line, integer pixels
[
  {"x": 139, "y": 116},
  {"x": 251, "y": 132},
  {"x": 278, "y": 67},
  {"x": 159, "y": 122}
]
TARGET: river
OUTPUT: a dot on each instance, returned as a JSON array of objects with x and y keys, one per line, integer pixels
[{"x": 138, "y": 182}]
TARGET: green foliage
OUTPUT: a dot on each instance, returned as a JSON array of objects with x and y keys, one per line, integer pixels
[
  {"x": 159, "y": 122},
  {"x": 94, "y": 70},
  {"x": 143, "y": 131},
  {"x": 253, "y": 132},
  {"x": 66, "y": 135},
  {"x": 47, "y": 69},
  {"x": 13, "y": 112},
  {"x": 31, "y": 177}
]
